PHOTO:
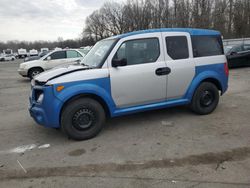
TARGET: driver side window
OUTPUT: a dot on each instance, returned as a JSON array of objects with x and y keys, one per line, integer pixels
[{"x": 139, "y": 51}]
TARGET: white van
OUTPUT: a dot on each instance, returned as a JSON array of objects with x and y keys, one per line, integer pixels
[
  {"x": 33, "y": 52},
  {"x": 22, "y": 53}
]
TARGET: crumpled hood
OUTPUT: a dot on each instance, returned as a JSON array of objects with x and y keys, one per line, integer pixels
[{"x": 58, "y": 71}]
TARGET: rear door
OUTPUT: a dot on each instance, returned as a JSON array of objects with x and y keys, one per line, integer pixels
[
  {"x": 73, "y": 56},
  {"x": 179, "y": 59}
]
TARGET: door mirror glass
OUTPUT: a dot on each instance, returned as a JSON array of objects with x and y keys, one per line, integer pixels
[
  {"x": 119, "y": 62},
  {"x": 78, "y": 61},
  {"x": 48, "y": 58},
  {"x": 233, "y": 53}
]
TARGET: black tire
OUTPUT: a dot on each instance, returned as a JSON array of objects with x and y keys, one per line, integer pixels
[
  {"x": 33, "y": 72},
  {"x": 205, "y": 99},
  {"x": 82, "y": 119}
]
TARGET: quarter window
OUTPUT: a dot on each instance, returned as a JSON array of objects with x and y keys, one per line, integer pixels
[
  {"x": 58, "y": 55},
  {"x": 139, "y": 51},
  {"x": 177, "y": 47},
  {"x": 207, "y": 46}
]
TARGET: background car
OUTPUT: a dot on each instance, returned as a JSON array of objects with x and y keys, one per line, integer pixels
[
  {"x": 31, "y": 58},
  {"x": 238, "y": 56},
  {"x": 8, "y": 57},
  {"x": 53, "y": 59}
]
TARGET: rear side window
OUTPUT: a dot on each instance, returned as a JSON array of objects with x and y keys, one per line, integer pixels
[
  {"x": 246, "y": 47},
  {"x": 73, "y": 54},
  {"x": 177, "y": 47},
  {"x": 139, "y": 51},
  {"x": 207, "y": 46},
  {"x": 58, "y": 55}
]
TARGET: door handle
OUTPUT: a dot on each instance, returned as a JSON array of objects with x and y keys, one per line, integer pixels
[{"x": 163, "y": 71}]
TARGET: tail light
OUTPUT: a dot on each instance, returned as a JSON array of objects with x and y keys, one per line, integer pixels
[{"x": 226, "y": 70}]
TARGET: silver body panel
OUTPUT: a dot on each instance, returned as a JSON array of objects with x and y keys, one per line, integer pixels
[
  {"x": 182, "y": 71},
  {"x": 137, "y": 84}
]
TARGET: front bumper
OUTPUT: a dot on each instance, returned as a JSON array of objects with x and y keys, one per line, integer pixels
[
  {"x": 46, "y": 113},
  {"x": 23, "y": 72}
]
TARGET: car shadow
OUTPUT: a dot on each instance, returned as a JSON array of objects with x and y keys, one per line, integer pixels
[{"x": 152, "y": 116}]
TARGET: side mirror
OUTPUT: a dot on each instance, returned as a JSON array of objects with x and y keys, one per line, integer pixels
[
  {"x": 233, "y": 53},
  {"x": 119, "y": 62},
  {"x": 48, "y": 58},
  {"x": 78, "y": 61}
]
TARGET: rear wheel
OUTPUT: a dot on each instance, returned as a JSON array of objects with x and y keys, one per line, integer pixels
[
  {"x": 34, "y": 71},
  {"x": 205, "y": 99},
  {"x": 82, "y": 119}
]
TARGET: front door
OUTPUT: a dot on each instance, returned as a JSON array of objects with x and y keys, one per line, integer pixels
[
  {"x": 143, "y": 80},
  {"x": 55, "y": 59}
]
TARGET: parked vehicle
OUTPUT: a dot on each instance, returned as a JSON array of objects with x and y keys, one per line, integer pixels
[
  {"x": 22, "y": 53},
  {"x": 49, "y": 61},
  {"x": 16, "y": 55},
  {"x": 33, "y": 52},
  {"x": 131, "y": 73},
  {"x": 8, "y": 52},
  {"x": 32, "y": 58},
  {"x": 238, "y": 56},
  {"x": 44, "y": 50},
  {"x": 8, "y": 57}
]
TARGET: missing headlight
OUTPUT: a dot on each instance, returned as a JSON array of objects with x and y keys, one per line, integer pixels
[{"x": 39, "y": 96}]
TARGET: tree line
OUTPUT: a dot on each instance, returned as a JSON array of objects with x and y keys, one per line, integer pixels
[
  {"x": 231, "y": 17},
  {"x": 15, "y": 44}
]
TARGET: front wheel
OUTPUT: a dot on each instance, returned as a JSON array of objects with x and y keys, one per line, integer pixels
[
  {"x": 205, "y": 99},
  {"x": 33, "y": 72},
  {"x": 82, "y": 119}
]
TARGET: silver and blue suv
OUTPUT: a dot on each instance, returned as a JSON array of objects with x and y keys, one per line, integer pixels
[{"x": 131, "y": 73}]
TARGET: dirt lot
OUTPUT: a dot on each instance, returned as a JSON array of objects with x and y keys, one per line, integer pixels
[{"x": 163, "y": 148}]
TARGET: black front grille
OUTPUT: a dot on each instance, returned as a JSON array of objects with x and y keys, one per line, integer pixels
[{"x": 38, "y": 83}]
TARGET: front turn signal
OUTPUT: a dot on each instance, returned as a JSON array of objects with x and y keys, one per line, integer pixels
[{"x": 59, "y": 88}]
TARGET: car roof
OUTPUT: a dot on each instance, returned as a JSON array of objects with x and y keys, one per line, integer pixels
[{"x": 191, "y": 31}]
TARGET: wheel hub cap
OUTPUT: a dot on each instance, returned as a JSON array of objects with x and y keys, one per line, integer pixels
[
  {"x": 83, "y": 119},
  {"x": 35, "y": 73},
  {"x": 207, "y": 98}
]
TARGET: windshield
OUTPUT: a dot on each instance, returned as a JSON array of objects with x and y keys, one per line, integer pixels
[
  {"x": 98, "y": 53},
  {"x": 227, "y": 49}
]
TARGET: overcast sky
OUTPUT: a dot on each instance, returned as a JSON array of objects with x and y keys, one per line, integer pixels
[{"x": 44, "y": 19}]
